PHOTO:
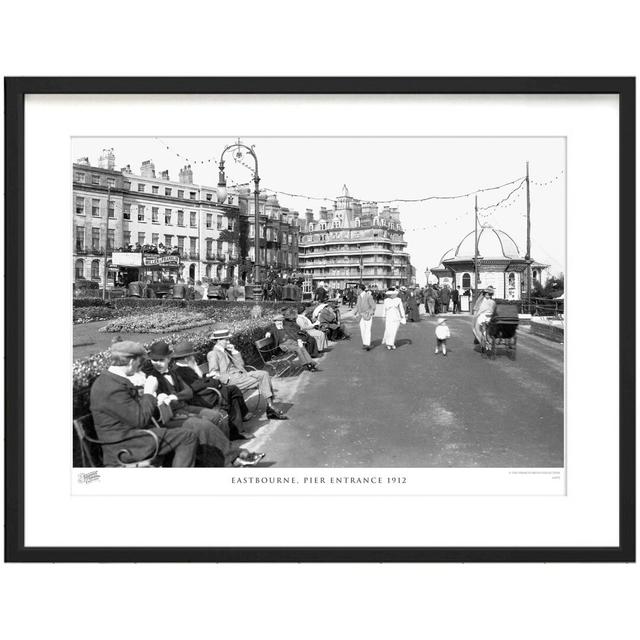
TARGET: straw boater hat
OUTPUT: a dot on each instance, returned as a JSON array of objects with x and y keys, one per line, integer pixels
[{"x": 221, "y": 334}]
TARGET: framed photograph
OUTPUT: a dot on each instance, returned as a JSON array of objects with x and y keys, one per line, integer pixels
[{"x": 320, "y": 319}]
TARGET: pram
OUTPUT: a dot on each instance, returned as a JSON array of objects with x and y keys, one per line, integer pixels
[{"x": 501, "y": 330}]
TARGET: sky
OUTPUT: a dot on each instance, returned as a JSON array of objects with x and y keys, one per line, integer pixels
[{"x": 379, "y": 168}]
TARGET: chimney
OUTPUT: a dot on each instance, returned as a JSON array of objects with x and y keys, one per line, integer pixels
[
  {"x": 126, "y": 169},
  {"x": 186, "y": 175},
  {"x": 308, "y": 214},
  {"x": 84, "y": 161},
  {"x": 107, "y": 160},
  {"x": 165, "y": 175},
  {"x": 148, "y": 169}
]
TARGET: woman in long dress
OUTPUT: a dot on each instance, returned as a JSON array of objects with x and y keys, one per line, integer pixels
[
  {"x": 393, "y": 316},
  {"x": 482, "y": 311},
  {"x": 413, "y": 312}
]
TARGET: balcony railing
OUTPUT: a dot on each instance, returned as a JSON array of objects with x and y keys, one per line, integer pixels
[{"x": 194, "y": 255}]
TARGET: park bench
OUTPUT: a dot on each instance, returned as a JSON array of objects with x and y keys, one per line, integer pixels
[
  {"x": 91, "y": 447},
  {"x": 272, "y": 357}
]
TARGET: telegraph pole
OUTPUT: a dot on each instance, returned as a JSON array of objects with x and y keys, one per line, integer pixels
[
  {"x": 475, "y": 255},
  {"x": 527, "y": 256}
]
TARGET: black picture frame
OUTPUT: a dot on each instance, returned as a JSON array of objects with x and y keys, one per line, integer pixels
[{"x": 15, "y": 91}]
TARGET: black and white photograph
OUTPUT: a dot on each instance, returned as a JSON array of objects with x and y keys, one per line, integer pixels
[{"x": 319, "y": 302}]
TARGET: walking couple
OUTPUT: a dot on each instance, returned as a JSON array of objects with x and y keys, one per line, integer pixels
[{"x": 393, "y": 313}]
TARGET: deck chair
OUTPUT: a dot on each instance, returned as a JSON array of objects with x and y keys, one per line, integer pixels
[{"x": 91, "y": 446}]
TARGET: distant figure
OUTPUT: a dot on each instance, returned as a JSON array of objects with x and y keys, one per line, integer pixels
[
  {"x": 365, "y": 310},
  {"x": 445, "y": 296},
  {"x": 430, "y": 300},
  {"x": 321, "y": 294},
  {"x": 412, "y": 307},
  {"x": 179, "y": 291},
  {"x": 442, "y": 335},
  {"x": 393, "y": 317},
  {"x": 482, "y": 312},
  {"x": 455, "y": 298}
]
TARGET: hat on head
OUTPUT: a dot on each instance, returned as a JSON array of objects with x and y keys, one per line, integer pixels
[
  {"x": 391, "y": 292},
  {"x": 403, "y": 288},
  {"x": 159, "y": 351},
  {"x": 127, "y": 348},
  {"x": 221, "y": 334},
  {"x": 183, "y": 349},
  {"x": 489, "y": 289}
]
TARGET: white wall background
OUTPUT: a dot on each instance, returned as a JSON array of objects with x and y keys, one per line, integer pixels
[{"x": 328, "y": 38}]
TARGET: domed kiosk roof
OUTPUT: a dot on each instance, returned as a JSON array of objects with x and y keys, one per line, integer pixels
[{"x": 492, "y": 243}]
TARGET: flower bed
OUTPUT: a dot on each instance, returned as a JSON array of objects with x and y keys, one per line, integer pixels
[
  {"x": 159, "y": 322},
  {"x": 246, "y": 332},
  {"x": 92, "y": 314},
  {"x": 166, "y": 303}
]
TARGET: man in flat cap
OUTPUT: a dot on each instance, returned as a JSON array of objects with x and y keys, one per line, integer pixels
[{"x": 118, "y": 410}]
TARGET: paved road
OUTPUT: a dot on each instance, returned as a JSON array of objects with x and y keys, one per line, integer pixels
[{"x": 410, "y": 407}]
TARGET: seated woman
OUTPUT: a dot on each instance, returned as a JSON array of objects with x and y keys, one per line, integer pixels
[
  {"x": 327, "y": 316},
  {"x": 311, "y": 329},
  {"x": 482, "y": 312},
  {"x": 286, "y": 336},
  {"x": 184, "y": 366}
]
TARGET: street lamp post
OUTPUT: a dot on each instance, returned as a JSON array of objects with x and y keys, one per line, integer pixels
[
  {"x": 222, "y": 196},
  {"x": 106, "y": 245}
]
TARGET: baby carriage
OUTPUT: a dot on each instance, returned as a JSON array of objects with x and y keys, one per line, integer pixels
[{"x": 501, "y": 330}]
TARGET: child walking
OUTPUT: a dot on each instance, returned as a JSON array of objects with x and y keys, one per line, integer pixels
[{"x": 442, "y": 334}]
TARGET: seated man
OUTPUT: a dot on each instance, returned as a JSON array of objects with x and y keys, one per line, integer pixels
[
  {"x": 184, "y": 366},
  {"x": 309, "y": 327},
  {"x": 286, "y": 336},
  {"x": 327, "y": 317},
  {"x": 210, "y": 425},
  {"x": 117, "y": 410},
  {"x": 226, "y": 364}
]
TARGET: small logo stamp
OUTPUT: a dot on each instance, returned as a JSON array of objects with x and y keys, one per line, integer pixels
[{"x": 89, "y": 477}]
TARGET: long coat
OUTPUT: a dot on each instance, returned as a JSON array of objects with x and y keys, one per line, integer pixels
[{"x": 413, "y": 311}]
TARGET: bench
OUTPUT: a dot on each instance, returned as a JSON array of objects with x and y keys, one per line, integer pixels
[
  {"x": 253, "y": 394},
  {"x": 91, "y": 446},
  {"x": 274, "y": 358}
]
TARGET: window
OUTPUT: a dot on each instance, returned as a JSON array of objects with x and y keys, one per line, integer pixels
[
  {"x": 95, "y": 238},
  {"x": 80, "y": 205},
  {"x": 310, "y": 229},
  {"x": 168, "y": 240},
  {"x": 209, "y": 220},
  {"x": 111, "y": 238},
  {"x": 127, "y": 185},
  {"x": 219, "y": 223},
  {"x": 79, "y": 269},
  {"x": 141, "y": 187},
  {"x": 95, "y": 207},
  {"x": 95, "y": 179},
  {"x": 209, "y": 197},
  {"x": 154, "y": 214},
  {"x": 192, "y": 219},
  {"x": 193, "y": 245},
  {"x": 167, "y": 191},
  {"x": 192, "y": 195},
  {"x": 466, "y": 281},
  {"x": 181, "y": 243},
  {"x": 209, "y": 242},
  {"x": 357, "y": 222},
  {"x": 141, "y": 238},
  {"x": 167, "y": 216},
  {"x": 231, "y": 225},
  {"x": 79, "y": 177},
  {"x": 140, "y": 213},
  {"x": 111, "y": 182},
  {"x": 79, "y": 238},
  {"x": 155, "y": 238},
  {"x": 181, "y": 218},
  {"x": 126, "y": 238},
  {"x": 323, "y": 226},
  {"x": 126, "y": 211},
  {"x": 111, "y": 209},
  {"x": 180, "y": 193},
  {"x": 95, "y": 269}
]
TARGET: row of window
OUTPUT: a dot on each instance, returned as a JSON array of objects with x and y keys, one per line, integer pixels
[
  {"x": 94, "y": 178},
  {"x": 337, "y": 224}
]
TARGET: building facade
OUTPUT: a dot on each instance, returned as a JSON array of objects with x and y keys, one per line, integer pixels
[
  {"x": 118, "y": 209},
  {"x": 354, "y": 242},
  {"x": 500, "y": 265}
]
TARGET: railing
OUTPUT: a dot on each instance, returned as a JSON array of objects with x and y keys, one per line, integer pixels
[
  {"x": 194, "y": 255},
  {"x": 543, "y": 307}
]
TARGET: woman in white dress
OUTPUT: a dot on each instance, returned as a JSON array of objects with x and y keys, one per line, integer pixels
[
  {"x": 483, "y": 311},
  {"x": 393, "y": 317}
]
